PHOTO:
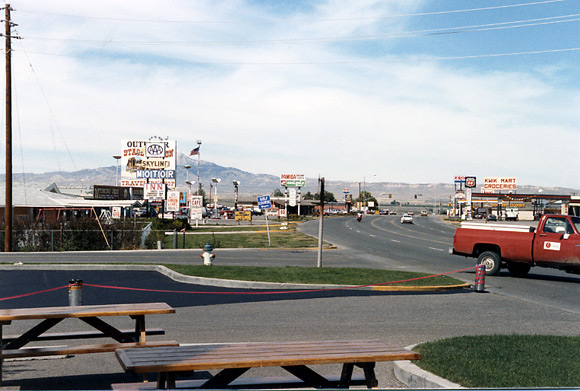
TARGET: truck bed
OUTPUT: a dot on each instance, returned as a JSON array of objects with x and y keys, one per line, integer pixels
[
  {"x": 498, "y": 227},
  {"x": 514, "y": 241}
]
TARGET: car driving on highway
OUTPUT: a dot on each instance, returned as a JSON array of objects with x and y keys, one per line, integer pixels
[{"x": 407, "y": 218}]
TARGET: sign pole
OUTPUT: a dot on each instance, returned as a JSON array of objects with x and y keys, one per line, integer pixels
[
  {"x": 265, "y": 202},
  {"x": 319, "y": 261},
  {"x": 268, "y": 229}
]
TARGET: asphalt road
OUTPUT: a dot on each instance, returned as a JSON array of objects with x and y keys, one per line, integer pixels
[
  {"x": 423, "y": 246},
  {"x": 541, "y": 304}
]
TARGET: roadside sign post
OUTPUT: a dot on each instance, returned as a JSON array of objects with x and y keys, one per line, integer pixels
[{"x": 264, "y": 202}]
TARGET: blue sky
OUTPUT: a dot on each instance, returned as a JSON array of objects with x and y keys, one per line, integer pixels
[{"x": 409, "y": 91}]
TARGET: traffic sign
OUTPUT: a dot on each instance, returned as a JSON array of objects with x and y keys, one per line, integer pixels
[{"x": 264, "y": 202}]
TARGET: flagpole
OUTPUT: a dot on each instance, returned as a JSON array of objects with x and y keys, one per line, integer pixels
[{"x": 198, "y": 160}]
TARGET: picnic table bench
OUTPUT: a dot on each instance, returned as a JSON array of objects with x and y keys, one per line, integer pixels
[
  {"x": 13, "y": 346},
  {"x": 234, "y": 359}
]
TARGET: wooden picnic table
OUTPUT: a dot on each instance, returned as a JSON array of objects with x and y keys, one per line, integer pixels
[
  {"x": 234, "y": 359},
  {"x": 14, "y": 346}
]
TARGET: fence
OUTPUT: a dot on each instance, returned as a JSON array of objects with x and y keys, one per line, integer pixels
[{"x": 76, "y": 239}]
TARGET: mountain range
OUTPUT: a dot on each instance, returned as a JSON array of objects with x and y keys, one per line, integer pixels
[{"x": 253, "y": 185}]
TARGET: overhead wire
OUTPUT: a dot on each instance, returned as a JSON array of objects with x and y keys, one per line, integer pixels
[
  {"x": 300, "y": 20},
  {"x": 51, "y": 111},
  {"x": 409, "y": 34}
]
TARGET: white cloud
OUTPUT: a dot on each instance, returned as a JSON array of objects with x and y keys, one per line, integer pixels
[{"x": 320, "y": 109}]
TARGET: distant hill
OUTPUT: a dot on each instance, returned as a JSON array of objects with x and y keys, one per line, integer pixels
[{"x": 253, "y": 185}]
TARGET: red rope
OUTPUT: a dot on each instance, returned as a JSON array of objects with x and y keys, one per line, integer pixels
[
  {"x": 33, "y": 293},
  {"x": 274, "y": 292},
  {"x": 238, "y": 293}
]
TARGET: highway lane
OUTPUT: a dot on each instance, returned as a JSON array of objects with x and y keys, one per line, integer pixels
[
  {"x": 545, "y": 303},
  {"x": 423, "y": 246}
]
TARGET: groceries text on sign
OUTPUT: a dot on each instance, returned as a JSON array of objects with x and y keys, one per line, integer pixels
[{"x": 499, "y": 183}]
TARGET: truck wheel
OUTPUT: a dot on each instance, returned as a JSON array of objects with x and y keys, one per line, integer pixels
[
  {"x": 518, "y": 269},
  {"x": 491, "y": 261}
]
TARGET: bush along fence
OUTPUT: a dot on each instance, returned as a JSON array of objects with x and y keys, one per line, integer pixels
[{"x": 82, "y": 235}]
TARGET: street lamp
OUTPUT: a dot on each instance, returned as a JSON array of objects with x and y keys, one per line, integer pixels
[
  {"x": 187, "y": 167},
  {"x": 117, "y": 158},
  {"x": 215, "y": 197},
  {"x": 236, "y": 184}
]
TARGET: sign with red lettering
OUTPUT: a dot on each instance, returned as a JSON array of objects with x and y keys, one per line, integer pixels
[
  {"x": 148, "y": 161},
  {"x": 172, "y": 201},
  {"x": 492, "y": 184},
  {"x": 292, "y": 180},
  {"x": 154, "y": 191}
]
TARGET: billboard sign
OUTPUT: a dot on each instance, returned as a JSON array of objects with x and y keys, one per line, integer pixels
[
  {"x": 470, "y": 182},
  {"x": 173, "y": 201},
  {"x": 196, "y": 201},
  {"x": 292, "y": 195},
  {"x": 243, "y": 215},
  {"x": 148, "y": 162},
  {"x": 492, "y": 184},
  {"x": 103, "y": 192},
  {"x": 196, "y": 213},
  {"x": 154, "y": 191},
  {"x": 292, "y": 180}
]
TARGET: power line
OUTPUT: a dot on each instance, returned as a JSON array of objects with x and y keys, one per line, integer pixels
[
  {"x": 378, "y": 61},
  {"x": 299, "y": 20},
  {"x": 409, "y": 34}
]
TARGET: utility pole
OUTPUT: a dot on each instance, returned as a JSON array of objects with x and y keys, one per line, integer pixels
[
  {"x": 319, "y": 260},
  {"x": 8, "y": 198}
]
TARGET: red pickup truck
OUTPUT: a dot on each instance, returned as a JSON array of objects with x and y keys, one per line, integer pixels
[{"x": 554, "y": 243}]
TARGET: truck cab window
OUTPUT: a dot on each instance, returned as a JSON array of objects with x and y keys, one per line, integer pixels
[
  {"x": 558, "y": 225},
  {"x": 576, "y": 222}
]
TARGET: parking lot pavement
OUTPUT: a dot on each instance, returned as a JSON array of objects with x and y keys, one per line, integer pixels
[{"x": 394, "y": 317}]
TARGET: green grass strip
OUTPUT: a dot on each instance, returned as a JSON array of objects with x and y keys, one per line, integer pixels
[
  {"x": 311, "y": 275},
  {"x": 504, "y": 360},
  {"x": 284, "y": 239}
]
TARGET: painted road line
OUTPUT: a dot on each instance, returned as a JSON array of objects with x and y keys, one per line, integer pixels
[{"x": 436, "y": 249}]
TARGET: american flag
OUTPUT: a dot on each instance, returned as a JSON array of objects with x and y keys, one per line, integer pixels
[{"x": 194, "y": 151}]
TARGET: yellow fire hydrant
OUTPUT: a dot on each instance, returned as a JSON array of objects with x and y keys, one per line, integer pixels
[{"x": 208, "y": 254}]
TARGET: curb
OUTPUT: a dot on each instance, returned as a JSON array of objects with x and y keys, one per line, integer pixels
[
  {"x": 415, "y": 377},
  {"x": 178, "y": 277},
  {"x": 428, "y": 288}
]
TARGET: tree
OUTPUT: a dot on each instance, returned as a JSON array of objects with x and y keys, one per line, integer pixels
[
  {"x": 278, "y": 193},
  {"x": 328, "y": 197},
  {"x": 309, "y": 196},
  {"x": 366, "y": 196}
]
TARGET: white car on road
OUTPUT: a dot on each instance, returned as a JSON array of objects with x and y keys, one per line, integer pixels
[{"x": 407, "y": 218}]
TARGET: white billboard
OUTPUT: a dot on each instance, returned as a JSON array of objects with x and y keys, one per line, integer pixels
[
  {"x": 151, "y": 161},
  {"x": 292, "y": 180},
  {"x": 172, "y": 201},
  {"x": 492, "y": 184}
]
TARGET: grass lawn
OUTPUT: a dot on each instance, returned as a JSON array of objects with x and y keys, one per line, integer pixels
[
  {"x": 312, "y": 275},
  {"x": 504, "y": 360},
  {"x": 259, "y": 239}
]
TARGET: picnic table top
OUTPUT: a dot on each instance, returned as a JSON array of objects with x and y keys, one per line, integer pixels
[
  {"x": 85, "y": 311},
  {"x": 260, "y": 354}
]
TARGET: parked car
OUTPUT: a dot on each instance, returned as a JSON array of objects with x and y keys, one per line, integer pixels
[
  {"x": 492, "y": 217},
  {"x": 407, "y": 218}
]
